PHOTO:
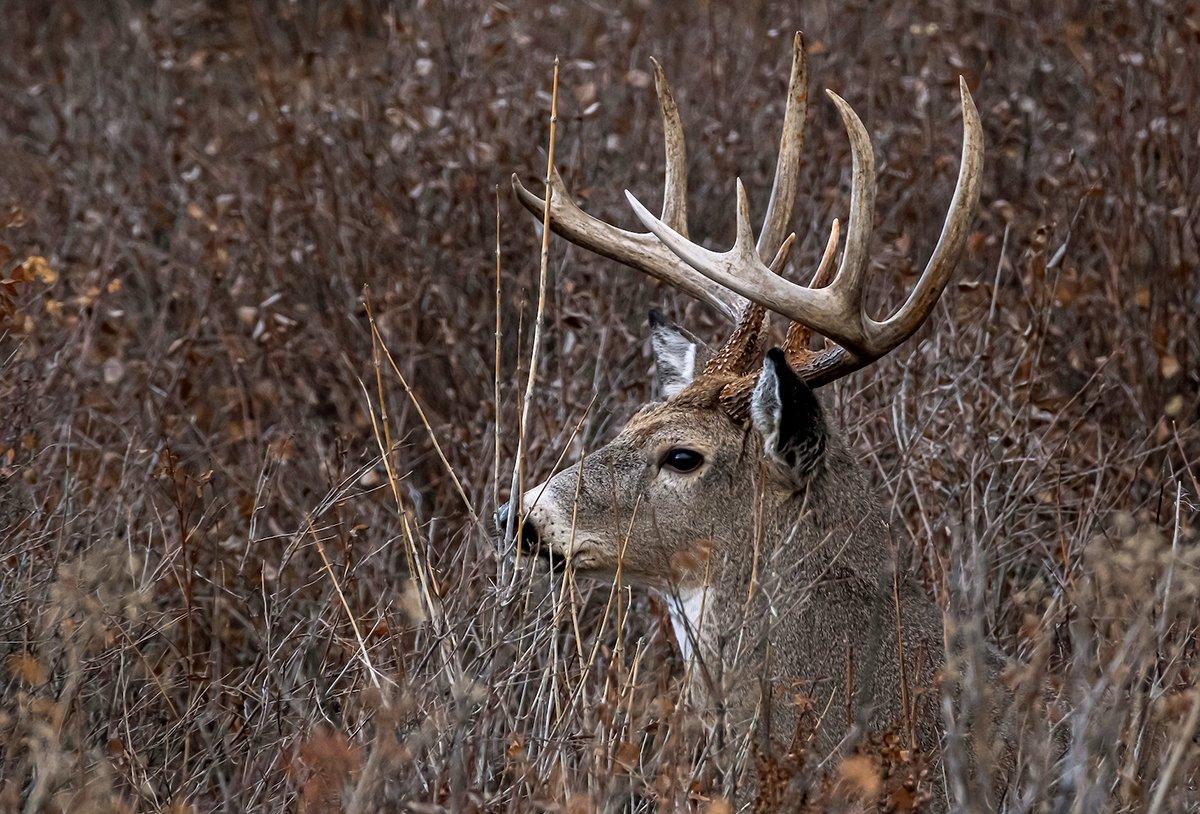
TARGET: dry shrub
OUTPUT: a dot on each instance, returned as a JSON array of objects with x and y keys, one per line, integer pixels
[
  {"x": 221, "y": 523},
  {"x": 325, "y": 764},
  {"x": 50, "y": 737},
  {"x": 880, "y": 772}
]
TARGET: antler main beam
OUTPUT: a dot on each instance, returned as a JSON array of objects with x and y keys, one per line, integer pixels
[
  {"x": 836, "y": 311},
  {"x": 644, "y": 251},
  {"x": 638, "y": 250}
]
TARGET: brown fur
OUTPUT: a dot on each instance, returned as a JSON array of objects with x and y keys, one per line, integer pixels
[{"x": 801, "y": 575}]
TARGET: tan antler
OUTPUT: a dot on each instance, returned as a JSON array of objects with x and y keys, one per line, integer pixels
[
  {"x": 836, "y": 310},
  {"x": 645, "y": 252}
]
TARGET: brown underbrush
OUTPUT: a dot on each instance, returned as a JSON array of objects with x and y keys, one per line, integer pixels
[{"x": 250, "y": 442}]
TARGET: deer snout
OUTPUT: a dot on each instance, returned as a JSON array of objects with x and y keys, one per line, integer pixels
[
  {"x": 531, "y": 542},
  {"x": 530, "y": 539}
]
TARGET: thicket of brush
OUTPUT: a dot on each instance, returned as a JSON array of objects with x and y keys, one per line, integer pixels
[{"x": 245, "y": 567}]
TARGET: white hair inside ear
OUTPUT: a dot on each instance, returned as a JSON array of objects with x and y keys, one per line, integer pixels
[
  {"x": 674, "y": 356},
  {"x": 766, "y": 404}
]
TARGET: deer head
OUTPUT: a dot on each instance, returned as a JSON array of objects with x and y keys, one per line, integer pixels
[{"x": 740, "y": 436}]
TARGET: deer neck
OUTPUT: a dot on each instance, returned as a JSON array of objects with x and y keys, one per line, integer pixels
[{"x": 823, "y": 541}]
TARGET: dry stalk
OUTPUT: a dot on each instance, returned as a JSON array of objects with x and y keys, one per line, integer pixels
[
  {"x": 539, "y": 320},
  {"x": 437, "y": 447},
  {"x": 362, "y": 645}
]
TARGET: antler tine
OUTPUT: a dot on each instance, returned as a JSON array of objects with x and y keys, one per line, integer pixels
[
  {"x": 785, "y": 249},
  {"x": 675, "y": 184},
  {"x": 795, "y": 345},
  {"x": 791, "y": 146},
  {"x": 823, "y": 276},
  {"x": 849, "y": 280},
  {"x": 951, "y": 241},
  {"x": 744, "y": 242}
]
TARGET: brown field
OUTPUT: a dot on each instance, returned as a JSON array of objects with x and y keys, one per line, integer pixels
[{"x": 246, "y": 568}]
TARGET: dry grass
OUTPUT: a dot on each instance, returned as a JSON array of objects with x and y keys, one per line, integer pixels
[{"x": 238, "y": 573}]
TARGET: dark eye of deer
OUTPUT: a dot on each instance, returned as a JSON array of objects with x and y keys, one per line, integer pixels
[{"x": 682, "y": 460}]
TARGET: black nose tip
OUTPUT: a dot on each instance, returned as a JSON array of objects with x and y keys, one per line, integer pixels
[
  {"x": 528, "y": 538},
  {"x": 531, "y": 542}
]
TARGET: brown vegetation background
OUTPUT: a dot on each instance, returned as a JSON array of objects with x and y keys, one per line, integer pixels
[{"x": 217, "y": 594}]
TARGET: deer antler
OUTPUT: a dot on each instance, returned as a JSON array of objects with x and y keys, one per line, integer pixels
[
  {"x": 836, "y": 310},
  {"x": 738, "y": 282},
  {"x": 645, "y": 252},
  {"x": 743, "y": 349}
]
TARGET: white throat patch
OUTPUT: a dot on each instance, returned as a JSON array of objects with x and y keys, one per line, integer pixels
[{"x": 686, "y": 607}]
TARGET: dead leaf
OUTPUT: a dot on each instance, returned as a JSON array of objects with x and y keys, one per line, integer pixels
[{"x": 27, "y": 668}]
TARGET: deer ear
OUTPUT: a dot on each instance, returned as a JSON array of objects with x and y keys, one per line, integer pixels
[
  {"x": 674, "y": 356},
  {"x": 785, "y": 411}
]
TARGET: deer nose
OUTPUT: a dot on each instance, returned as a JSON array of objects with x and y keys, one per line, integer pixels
[{"x": 531, "y": 541}]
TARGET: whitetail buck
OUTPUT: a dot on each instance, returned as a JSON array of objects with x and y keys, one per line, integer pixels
[{"x": 734, "y": 496}]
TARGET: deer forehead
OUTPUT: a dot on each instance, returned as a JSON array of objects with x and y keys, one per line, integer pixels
[{"x": 666, "y": 424}]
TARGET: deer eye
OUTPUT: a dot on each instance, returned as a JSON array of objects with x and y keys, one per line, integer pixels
[{"x": 682, "y": 460}]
